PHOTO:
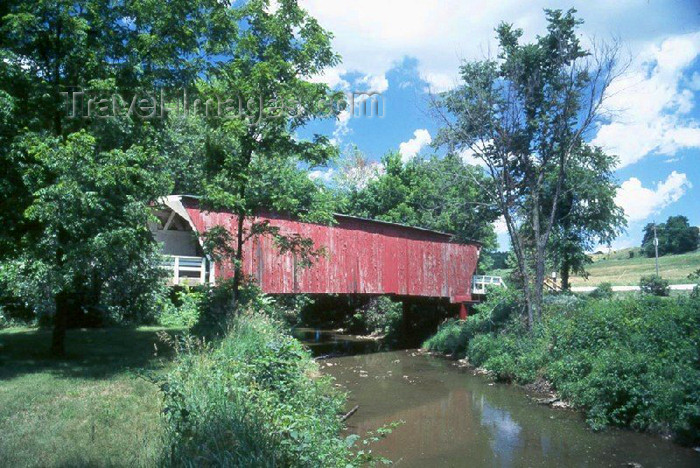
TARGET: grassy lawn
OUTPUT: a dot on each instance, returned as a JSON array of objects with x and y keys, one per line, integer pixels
[
  {"x": 619, "y": 269},
  {"x": 90, "y": 408}
]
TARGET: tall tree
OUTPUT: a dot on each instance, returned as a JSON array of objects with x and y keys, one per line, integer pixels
[
  {"x": 524, "y": 115},
  {"x": 675, "y": 236},
  {"x": 587, "y": 214},
  {"x": 268, "y": 67},
  {"x": 79, "y": 186}
]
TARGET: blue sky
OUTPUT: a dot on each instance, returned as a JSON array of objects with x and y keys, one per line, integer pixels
[{"x": 408, "y": 49}]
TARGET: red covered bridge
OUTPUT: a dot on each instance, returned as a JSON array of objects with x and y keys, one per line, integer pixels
[{"x": 364, "y": 257}]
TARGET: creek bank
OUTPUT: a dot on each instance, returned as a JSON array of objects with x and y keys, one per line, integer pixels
[
  {"x": 450, "y": 414},
  {"x": 629, "y": 362},
  {"x": 540, "y": 391}
]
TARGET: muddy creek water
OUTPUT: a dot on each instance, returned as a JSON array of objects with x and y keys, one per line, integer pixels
[{"x": 455, "y": 418}]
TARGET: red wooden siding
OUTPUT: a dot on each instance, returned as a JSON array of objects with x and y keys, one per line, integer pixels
[{"x": 364, "y": 257}]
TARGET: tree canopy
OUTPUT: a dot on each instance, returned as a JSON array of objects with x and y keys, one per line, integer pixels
[
  {"x": 525, "y": 114},
  {"x": 675, "y": 236},
  {"x": 440, "y": 193},
  {"x": 88, "y": 148}
]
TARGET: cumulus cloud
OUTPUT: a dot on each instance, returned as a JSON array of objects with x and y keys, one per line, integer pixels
[
  {"x": 469, "y": 157},
  {"x": 640, "y": 202},
  {"x": 650, "y": 105},
  {"x": 324, "y": 175},
  {"x": 342, "y": 126},
  {"x": 653, "y": 100},
  {"x": 372, "y": 36},
  {"x": 409, "y": 149}
]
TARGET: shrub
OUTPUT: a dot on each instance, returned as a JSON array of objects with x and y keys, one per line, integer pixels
[
  {"x": 603, "y": 291},
  {"x": 382, "y": 315},
  {"x": 185, "y": 310},
  {"x": 632, "y": 362},
  {"x": 453, "y": 336},
  {"x": 252, "y": 399},
  {"x": 654, "y": 284}
]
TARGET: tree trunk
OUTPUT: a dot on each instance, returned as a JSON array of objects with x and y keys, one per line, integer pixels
[
  {"x": 60, "y": 323},
  {"x": 539, "y": 278},
  {"x": 237, "y": 267},
  {"x": 565, "y": 271}
]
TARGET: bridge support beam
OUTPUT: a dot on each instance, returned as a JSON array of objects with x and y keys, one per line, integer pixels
[{"x": 463, "y": 311}]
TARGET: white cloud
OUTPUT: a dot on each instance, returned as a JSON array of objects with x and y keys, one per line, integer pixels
[
  {"x": 371, "y": 36},
  {"x": 640, "y": 202},
  {"x": 324, "y": 175},
  {"x": 373, "y": 83},
  {"x": 342, "y": 127},
  {"x": 653, "y": 100},
  {"x": 356, "y": 93},
  {"x": 409, "y": 149},
  {"x": 650, "y": 104},
  {"x": 332, "y": 77},
  {"x": 469, "y": 157}
]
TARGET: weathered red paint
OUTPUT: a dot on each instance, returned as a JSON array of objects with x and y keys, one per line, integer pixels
[
  {"x": 364, "y": 257},
  {"x": 463, "y": 312}
]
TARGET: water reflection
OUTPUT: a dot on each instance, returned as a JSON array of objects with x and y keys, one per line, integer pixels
[
  {"x": 453, "y": 418},
  {"x": 331, "y": 342},
  {"x": 505, "y": 432}
]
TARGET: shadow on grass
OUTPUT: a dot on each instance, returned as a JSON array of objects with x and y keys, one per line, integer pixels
[{"x": 90, "y": 353}]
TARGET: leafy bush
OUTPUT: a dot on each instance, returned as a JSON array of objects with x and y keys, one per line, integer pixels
[
  {"x": 184, "y": 312},
  {"x": 382, "y": 316},
  {"x": 655, "y": 285},
  {"x": 603, "y": 291},
  {"x": 253, "y": 399},
  {"x": 453, "y": 336},
  {"x": 632, "y": 362}
]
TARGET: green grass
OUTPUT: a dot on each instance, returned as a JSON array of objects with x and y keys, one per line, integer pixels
[
  {"x": 91, "y": 408},
  {"x": 620, "y": 270},
  {"x": 253, "y": 398}
]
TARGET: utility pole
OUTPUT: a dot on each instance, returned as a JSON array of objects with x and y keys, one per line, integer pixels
[{"x": 656, "y": 250}]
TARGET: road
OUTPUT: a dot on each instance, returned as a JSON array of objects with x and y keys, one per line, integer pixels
[{"x": 674, "y": 287}]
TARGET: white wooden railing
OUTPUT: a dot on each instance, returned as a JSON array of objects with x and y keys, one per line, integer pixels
[
  {"x": 480, "y": 283},
  {"x": 183, "y": 266}
]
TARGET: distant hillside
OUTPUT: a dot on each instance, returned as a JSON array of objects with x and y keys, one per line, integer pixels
[{"x": 619, "y": 269}]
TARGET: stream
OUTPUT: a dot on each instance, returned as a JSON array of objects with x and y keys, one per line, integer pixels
[{"x": 455, "y": 418}]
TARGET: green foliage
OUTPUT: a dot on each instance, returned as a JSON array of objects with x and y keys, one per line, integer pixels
[
  {"x": 184, "y": 312},
  {"x": 256, "y": 162},
  {"x": 655, "y": 285},
  {"x": 496, "y": 260},
  {"x": 675, "y": 236},
  {"x": 252, "y": 399},
  {"x": 443, "y": 194},
  {"x": 453, "y": 336},
  {"x": 523, "y": 114},
  {"x": 383, "y": 316},
  {"x": 630, "y": 362},
  {"x": 378, "y": 316},
  {"x": 587, "y": 214},
  {"x": 603, "y": 291},
  {"x": 87, "y": 204},
  {"x": 77, "y": 190}
]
